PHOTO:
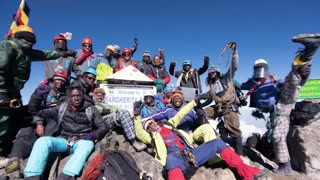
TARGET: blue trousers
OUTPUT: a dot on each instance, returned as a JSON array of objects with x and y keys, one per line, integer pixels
[
  {"x": 202, "y": 154},
  {"x": 40, "y": 151}
]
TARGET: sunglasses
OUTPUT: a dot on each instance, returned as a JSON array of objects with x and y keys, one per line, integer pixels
[
  {"x": 87, "y": 45},
  {"x": 91, "y": 78}
]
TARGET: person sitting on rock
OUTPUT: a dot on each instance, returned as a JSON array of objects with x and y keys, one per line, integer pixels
[
  {"x": 45, "y": 96},
  {"x": 116, "y": 117},
  {"x": 176, "y": 151},
  {"x": 77, "y": 135},
  {"x": 151, "y": 105},
  {"x": 87, "y": 81}
]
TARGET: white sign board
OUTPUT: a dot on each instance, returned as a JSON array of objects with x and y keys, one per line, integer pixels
[{"x": 123, "y": 96}]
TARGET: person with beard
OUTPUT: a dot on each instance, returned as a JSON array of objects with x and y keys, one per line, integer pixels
[
  {"x": 87, "y": 81},
  {"x": 85, "y": 55},
  {"x": 151, "y": 105},
  {"x": 125, "y": 60},
  {"x": 176, "y": 151},
  {"x": 66, "y": 64},
  {"x": 77, "y": 134},
  {"x": 45, "y": 96},
  {"x": 158, "y": 73},
  {"x": 222, "y": 92},
  {"x": 16, "y": 55},
  {"x": 104, "y": 64}
]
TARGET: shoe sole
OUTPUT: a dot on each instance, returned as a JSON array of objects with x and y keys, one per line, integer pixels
[{"x": 302, "y": 36}]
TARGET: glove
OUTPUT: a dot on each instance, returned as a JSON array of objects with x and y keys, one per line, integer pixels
[
  {"x": 206, "y": 58},
  {"x": 41, "y": 90},
  {"x": 137, "y": 106},
  {"x": 135, "y": 40},
  {"x": 4, "y": 100},
  {"x": 232, "y": 45},
  {"x": 173, "y": 63},
  {"x": 89, "y": 136},
  {"x": 105, "y": 111},
  {"x": 68, "y": 53},
  {"x": 160, "y": 51}
]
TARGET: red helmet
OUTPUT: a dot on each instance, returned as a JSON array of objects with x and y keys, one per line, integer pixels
[
  {"x": 59, "y": 37},
  {"x": 87, "y": 41},
  {"x": 126, "y": 50},
  {"x": 60, "y": 74}
]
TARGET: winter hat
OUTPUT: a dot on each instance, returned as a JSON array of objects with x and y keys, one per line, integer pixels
[
  {"x": 100, "y": 90},
  {"x": 25, "y": 35},
  {"x": 177, "y": 93},
  {"x": 146, "y": 53},
  {"x": 146, "y": 123},
  {"x": 59, "y": 78}
]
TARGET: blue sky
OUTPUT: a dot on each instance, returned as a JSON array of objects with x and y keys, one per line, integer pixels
[{"x": 184, "y": 29}]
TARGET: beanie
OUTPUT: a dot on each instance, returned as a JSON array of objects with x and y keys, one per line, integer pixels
[
  {"x": 59, "y": 78},
  {"x": 146, "y": 53},
  {"x": 177, "y": 93},
  {"x": 146, "y": 123},
  {"x": 100, "y": 90},
  {"x": 25, "y": 35}
]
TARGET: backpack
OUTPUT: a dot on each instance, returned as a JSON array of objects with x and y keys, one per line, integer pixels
[
  {"x": 253, "y": 140},
  {"x": 304, "y": 112},
  {"x": 240, "y": 100},
  {"x": 112, "y": 165}
]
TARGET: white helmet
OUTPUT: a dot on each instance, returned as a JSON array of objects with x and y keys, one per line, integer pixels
[{"x": 260, "y": 69}]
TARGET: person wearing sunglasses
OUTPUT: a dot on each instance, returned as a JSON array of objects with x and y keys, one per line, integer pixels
[
  {"x": 87, "y": 81},
  {"x": 85, "y": 55}
]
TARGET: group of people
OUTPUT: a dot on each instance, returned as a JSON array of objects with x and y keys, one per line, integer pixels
[{"x": 69, "y": 115}]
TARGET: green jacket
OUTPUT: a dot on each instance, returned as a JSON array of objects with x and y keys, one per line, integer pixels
[
  {"x": 155, "y": 139},
  {"x": 15, "y": 65}
]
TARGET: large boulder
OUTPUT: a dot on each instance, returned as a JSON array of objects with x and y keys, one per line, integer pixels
[{"x": 304, "y": 148}]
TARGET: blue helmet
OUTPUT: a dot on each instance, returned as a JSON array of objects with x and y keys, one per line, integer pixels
[
  {"x": 187, "y": 63},
  {"x": 117, "y": 47},
  {"x": 91, "y": 71}
]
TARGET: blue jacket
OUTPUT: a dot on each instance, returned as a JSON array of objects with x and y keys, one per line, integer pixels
[
  {"x": 188, "y": 123},
  {"x": 266, "y": 95},
  {"x": 158, "y": 107}
]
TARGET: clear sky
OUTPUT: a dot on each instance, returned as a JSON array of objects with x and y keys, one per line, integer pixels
[{"x": 184, "y": 29}]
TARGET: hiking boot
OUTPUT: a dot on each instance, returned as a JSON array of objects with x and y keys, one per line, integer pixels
[
  {"x": 3, "y": 161},
  {"x": 307, "y": 39},
  {"x": 12, "y": 165},
  {"x": 284, "y": 169},
  {"x": 139, "y": 146}
]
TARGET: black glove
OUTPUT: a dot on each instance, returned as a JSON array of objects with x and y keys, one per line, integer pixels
[
  {"x": 68, "y": 53},
  {"x": 4, "y": 100},
  {"x": 206, "y": 58},
  {"x": 135, "y": 40},
  {"x": 304, "y": 71},
  {"x": 105, "y": 111},
  {"x": 137, "y": 106},
  {"x": 232, "y": 45},
  {"x": 201, "y": 115}
]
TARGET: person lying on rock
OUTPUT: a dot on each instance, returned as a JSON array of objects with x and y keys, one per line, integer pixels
[
  {"x": 114, "y": 117},
  {"x": 77, "y": 134},
  {"x": 176, "y": 152}
]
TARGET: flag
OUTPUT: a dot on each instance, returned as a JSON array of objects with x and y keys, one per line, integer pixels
[{"x": 21, "y": 17}]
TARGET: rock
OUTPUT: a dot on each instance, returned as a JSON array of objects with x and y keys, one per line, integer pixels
[{"x": 304, "y": 148}]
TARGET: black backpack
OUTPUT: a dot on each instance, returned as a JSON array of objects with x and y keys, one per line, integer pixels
[
  {"x": 265, "y": 147},
  {"x": 112, "y": 165},
  {"x": 119, "y": 165}
]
